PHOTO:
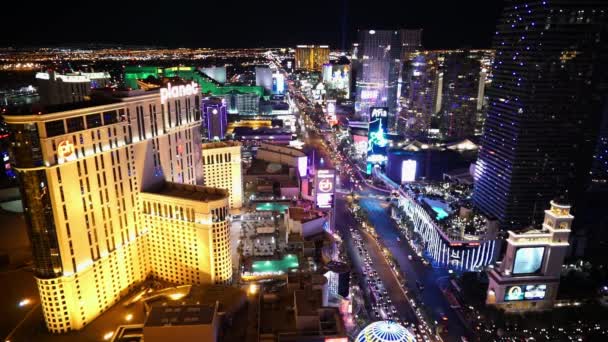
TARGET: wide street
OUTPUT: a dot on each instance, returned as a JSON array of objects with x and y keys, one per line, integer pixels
[
  {"x": 414, "y": 270},
  {"x": 345, "y": 222},
  {"x": 372, "y": 201}
]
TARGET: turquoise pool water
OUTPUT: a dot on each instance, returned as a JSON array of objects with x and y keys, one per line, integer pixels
[
  {"x": 267, "y": 206},
  {"x": 289, "y": 261},
  {"x": 441, "y": 214},
  {"x": 441, "y": 209}
]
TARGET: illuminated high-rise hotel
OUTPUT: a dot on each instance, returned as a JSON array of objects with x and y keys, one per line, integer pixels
[
  {"x": 311, "y": 57},
  {"x": 222, "y": 169},
  {"x": 101, "y": 197},
  {"x": 380, "y": 54},
  {"x": 545, "y": 105}
]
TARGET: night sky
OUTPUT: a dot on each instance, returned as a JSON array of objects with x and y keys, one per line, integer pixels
[{"x": 226, "y": 23}]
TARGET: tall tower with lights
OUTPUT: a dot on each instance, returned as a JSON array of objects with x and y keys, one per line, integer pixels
[{"x": 549, "y": 82}]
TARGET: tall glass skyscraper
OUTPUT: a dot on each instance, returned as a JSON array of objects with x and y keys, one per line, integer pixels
[
  {"x": 544, "y": 107},
  {"x": 380, "y": 58}
]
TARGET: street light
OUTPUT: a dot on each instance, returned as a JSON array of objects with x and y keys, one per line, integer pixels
[
  {"x": 253, "y": 289},
  {"x": 24, "y": 302}
]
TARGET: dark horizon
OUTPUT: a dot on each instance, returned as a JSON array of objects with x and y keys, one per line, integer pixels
[{"x": 275, "y": 24}]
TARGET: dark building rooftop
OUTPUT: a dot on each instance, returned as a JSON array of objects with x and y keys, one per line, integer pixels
[
  {"x": 192, "y": 192},
  {"x": 99, "y": 97},
  {"x": 180, "y": 315}
]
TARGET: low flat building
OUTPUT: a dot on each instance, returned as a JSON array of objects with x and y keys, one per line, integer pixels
[
  {"x": 182, "y": 323},
  {"x": 263, "y": 134},
  {"x": 304, "y": 222},
  {"x": 298, "y": 311},
  {"x": 284, "y": 155},
  {"x": 210, "y": 312}
]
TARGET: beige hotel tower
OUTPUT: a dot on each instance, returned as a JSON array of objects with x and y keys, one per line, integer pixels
[{"x": 110, "y": 196}]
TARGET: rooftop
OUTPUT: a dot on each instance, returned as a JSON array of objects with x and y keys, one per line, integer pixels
[
  {"x": 240, "y": 131},
  {"x": 282, "y": 149},
  {"x": 180, "y": 315},
  {"x": 191, "y": 192},
  {"x": 261, "y": 167},
  {"x": 99, "y": 97},
  {"x": 308, "y": 301},
  {"x": 303, "y": 215},
  {"x": 229, "y": 298},
  {"x": 220, "y": 144}
]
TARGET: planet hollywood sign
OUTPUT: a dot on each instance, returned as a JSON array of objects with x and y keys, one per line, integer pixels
[{"x": 172, "y": 92}]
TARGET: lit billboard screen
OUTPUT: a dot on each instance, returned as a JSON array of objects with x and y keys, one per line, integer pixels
[
  {"x": 408, "y": 171},
  {"x": 278, "y": 83},
  {"x": 528, "y": 260},
  {"x": 376, "y": 135},
  {"x": 302, "y": 166},
  {"x": 525, "y": 292},
  {"x": 325, "y": 183},
  {"x": 369, "y": 95}
]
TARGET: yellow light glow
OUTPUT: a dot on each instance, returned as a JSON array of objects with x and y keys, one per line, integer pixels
[
  {"x": 107, "y": 336},
  {"x": 176, "y": 296},
  {"x": 129, "y": 317},
  {"x": 253, "y": 289}
]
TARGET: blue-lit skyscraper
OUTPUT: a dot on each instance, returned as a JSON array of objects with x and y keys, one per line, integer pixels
[
  {"x": 380, "y": 55},
  {"x": 216, "y": 118},
  {"x": 545, "y": 104}
]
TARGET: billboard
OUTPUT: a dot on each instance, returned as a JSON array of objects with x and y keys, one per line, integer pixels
[
  {"x": 408, "y": 171},
  {"x": 525, "y": 292},
  {"x": 302, "y": 166},
  {"x": 278, "y": 83},
  {"x": 325, "y": 183},
  {"x": 376, "y": 135},
  {"x": 528, "y": 260}
]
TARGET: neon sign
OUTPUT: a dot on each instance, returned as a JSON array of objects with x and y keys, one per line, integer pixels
[
  {"x": 379, "y": 112},
  {"x": 172, "y": 92},
  {"x": 325, "y": 184}
]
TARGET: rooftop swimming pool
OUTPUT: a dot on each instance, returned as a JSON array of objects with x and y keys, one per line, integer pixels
[
  {"x": 268, "y": 206},
  {"x": 288, "y": 262},
  {"x": 441, "y": 209}
]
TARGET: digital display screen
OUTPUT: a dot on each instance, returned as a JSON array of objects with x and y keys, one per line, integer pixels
[
  {"x": 528, "y": 260},
  {"x": 408, "y": 171},
  {"x": 376, "y": 136},
  {"x": 535, "y": 292},
  {"x": 525, "y": 292},
  {"x": 302, "y": 166},
  {"x": 325, "y": 182}
]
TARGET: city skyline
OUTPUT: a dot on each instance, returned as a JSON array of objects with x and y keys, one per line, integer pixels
[
  {"x": 378, "y": 174},
  {"x": 450, "y": 25}
]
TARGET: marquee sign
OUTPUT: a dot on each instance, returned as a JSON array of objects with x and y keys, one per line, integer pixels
[
  {"x": 325, "y": 181},
  {"x": 172, "y": 92}
]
